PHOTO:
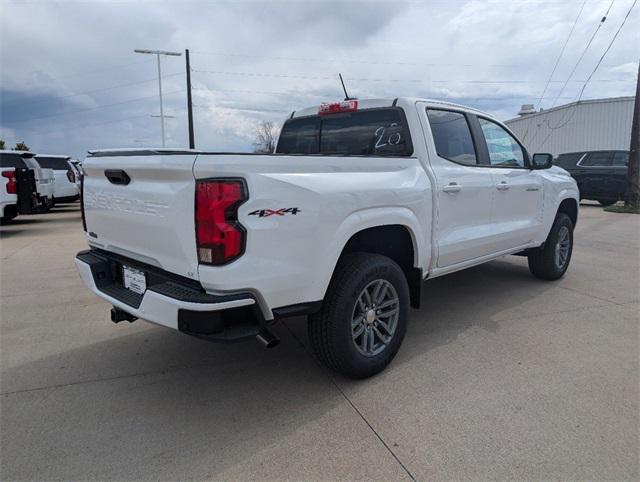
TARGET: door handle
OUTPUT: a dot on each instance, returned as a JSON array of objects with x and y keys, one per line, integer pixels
[
  {"x": 117, "y": 176},
  {"x": 502, "y": 186},
  {"x": 452, "y": 187}
]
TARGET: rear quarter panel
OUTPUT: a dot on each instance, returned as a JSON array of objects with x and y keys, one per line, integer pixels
[{"x": 290, "y": 258}]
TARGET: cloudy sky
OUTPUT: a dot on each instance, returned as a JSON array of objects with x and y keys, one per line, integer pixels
[{"x": 70, "y": 80}]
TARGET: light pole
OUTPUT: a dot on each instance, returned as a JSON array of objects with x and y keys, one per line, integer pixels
[{"x": 158, "y": 53}]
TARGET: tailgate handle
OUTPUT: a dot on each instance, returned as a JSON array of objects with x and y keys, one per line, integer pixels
[{"x": 117, "y": 176}]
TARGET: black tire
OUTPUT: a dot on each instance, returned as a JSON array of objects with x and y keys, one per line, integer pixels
[
  {"x": 607, "y": 202},
  {"x": 330, "y": 330},
  {"x": 543, "y": 262}
]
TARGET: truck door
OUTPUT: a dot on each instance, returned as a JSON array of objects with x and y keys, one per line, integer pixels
[
  {"x": 464, "y": 189},
  {"x": 517, "y": 201}
]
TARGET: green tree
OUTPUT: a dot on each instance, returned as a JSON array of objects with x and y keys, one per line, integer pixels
[
  {"x": 1, "y": 143},
  {"x": 21, "y": 146}
]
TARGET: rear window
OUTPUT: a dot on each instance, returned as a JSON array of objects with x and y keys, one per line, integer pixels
[
  {"x": 370, "y": 132},
  {"x": 56, "y": 163},
  {"x": 12, "y": 160}
]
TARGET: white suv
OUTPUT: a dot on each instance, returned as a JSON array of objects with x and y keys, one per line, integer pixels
[{"x": 65, "y": 187}]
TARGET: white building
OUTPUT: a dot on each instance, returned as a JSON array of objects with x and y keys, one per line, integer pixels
[{"x": 588, "y": 125}]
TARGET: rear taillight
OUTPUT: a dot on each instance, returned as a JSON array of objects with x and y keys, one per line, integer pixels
[
  {"x": 12, "y": 184},
  {"x": 84, "y": 219},
  {"x": 220, "y": 238},
  {"x": 71, "y": 176}
]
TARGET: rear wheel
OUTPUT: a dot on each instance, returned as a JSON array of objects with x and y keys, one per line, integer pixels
[
  {"x": 551, "y": 261},
  {"x": 363, "y": 319}
]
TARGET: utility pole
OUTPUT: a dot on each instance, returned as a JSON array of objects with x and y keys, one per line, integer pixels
[
  {"x": 632, "y": 197},
  {"x": 192, "y": 142},
  {"x": 158, "y": 53}
]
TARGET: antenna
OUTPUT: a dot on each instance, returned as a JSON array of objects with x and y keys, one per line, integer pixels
[{"x": 346, "y": 96}]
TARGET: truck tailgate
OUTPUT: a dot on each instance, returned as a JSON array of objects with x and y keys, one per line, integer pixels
[{"x": 142, "y": 207}]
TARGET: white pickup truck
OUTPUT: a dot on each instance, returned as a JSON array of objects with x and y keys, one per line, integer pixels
[{"x": 361, "y": 202}]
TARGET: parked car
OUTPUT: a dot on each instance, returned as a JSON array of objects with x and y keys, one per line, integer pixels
[
  {"x": 65, "y": 188},
  {"x": 601, "y": 175},
  {"x": 45, "y": 182},
  {"x": 18, "y": 191},
  {"x": 8, "y": 190},
  {"x": 361, "y": 202}
]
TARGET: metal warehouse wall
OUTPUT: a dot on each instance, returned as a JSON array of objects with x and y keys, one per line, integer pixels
[{"x": 582, "y": 126}]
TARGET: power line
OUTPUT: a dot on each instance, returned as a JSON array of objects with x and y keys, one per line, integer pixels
[
  {"x": 564, "y": 85},
  {"x": 294, "y": 94},
  {"x": 365, "y": 79},
  {"x": 95, "y": 71},
  {"x": 84, "y": 126},
  {"x": 28, "y": 102},
  {"x": 93, "y": 108},
  {"x": 350, "y": 61},
  {"x": 579, "y": 98},
  {"x": 575, "y": 66},
  {"x": 553, "y": 71},
  {"x": 607, "y": 49}
]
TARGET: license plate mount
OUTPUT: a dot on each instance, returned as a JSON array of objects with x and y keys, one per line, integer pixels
[{"x": 134, "y": 280}]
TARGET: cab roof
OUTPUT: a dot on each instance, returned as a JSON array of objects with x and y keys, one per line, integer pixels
[
  {"x": 404, "y": 102},
  {"x": 54, "y": 156}
]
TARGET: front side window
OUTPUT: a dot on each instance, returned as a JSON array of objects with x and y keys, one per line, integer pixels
[
  {"x": 452, "y": 136},
  {"x": 369, "y": 132},
  {"x": 597, "y": 159},
  {"x": 504, "y": 150}
]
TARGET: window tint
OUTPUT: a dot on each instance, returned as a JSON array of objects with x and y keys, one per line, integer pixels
[
  {"x": 378, "y": 132},
  {"x": 620, "y": 158},
  {"x": 452, "y": 136},
  {"x": 12, "y": 160},
  {"x": 568, "y": 161},
  {"x": 300, "y": 136},
  {"x": 57, "y": 163},
  {"x": 597, "y": 159},
  {"x": 504, "y": 150}
]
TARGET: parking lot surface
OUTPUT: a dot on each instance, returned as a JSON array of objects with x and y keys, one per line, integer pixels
[{"x": 501, "y": 376}]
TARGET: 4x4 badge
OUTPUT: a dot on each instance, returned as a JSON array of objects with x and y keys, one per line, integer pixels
[{"x": 263, "y": 213}]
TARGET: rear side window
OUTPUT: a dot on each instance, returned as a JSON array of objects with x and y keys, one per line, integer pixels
[
  {"x": 56, "y": 163},
  {"x": 12, "y": 160},
  {"x": 620, "y": 159},
  {"x": 369, "y": 132},
  {"x": 452, "y": 136},
  {"x": 597, "y": 159}
]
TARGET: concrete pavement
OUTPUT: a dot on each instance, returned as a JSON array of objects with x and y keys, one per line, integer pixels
[{"x": 501, "y": 376}]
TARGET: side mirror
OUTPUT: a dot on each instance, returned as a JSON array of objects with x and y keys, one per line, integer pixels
[{"x": 541, "y": 161}]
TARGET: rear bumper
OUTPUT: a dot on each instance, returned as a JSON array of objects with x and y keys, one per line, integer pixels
[{"x": 171, "y": 301}]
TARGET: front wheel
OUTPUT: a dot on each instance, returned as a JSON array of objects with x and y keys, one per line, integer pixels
[
  {"x": 551, "y": 261},
  {"x": 363, "y": 319}
]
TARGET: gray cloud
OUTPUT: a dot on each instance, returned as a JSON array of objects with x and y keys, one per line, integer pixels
[{"x": 71, "y": 82}]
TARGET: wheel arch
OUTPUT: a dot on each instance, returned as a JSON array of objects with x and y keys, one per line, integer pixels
[
  {"x": 395, "y": 236},
  {"x": 569, "y": 206}
]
